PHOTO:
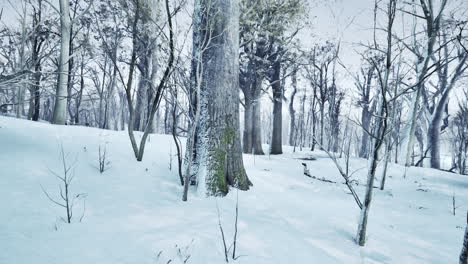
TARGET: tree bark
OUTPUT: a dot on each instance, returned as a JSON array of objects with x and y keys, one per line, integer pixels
[
  {"x": 219, "y": 148},
  {"x": 252, "y": 135},
  {"x": 380, "y": 129},
  {"x": 422, "y": 63},
  {"x": 292, "y": 112},
  {"x": 434, "y": 129},
  {"x": 60, "y": 108},
  {"x": 276, "y": 146},
  {"x": 366, "y": 114}
]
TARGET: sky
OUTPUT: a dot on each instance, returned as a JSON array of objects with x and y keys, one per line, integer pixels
[
  {"x": 348, "y": 21},
  {"x": 331, "y": 19}
]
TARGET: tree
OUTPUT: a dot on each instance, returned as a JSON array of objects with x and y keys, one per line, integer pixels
[
  {"x": 290, "y": 14},
  {"x": 321, "y": 60},
  {"x": 423, "y": 57},
  {"x": 380, "y": 129},
  {"x": 265, "y": 34},
  {"x": 446, "y": 83},
  {"x": 364, "y": 86},
  {"x": 216, "y": 51},
  {"x": 39, "y": 38},
  {"x": 60, "y": 108},
  {"x": 137, "y": 9},
  {"x": 292, "y": 112},
  {"x": 276, "y": 145},
  {"x": 254, "y": 25}
]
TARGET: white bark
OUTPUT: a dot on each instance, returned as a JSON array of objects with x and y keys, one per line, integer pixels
[{"x": 60, "y": 108}]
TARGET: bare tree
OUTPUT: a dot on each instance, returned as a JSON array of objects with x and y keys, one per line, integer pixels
[
  {"x": 380, "y": 129},
  {"x": 433, "y": 20},
  {"x": 139, "y": 149},
  {"x": 68, "y": 200}
]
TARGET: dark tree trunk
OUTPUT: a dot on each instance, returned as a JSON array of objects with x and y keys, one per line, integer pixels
[
  {"x": 37, "y": 93},
  {"x": 366, "y": 115},
  {"x": 322, "y": 122},
  {"x": 79, "y": 96},
  {"x": 292, "y": 112},
  {"x": 37, "y": 46},
  {"x": 276, "y": 138},
  {"x": 365, "y": 121}
]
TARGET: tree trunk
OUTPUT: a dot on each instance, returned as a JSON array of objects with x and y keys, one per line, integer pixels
[
  {"x": 140, "y": 104},
  {"x": 387, "y": 154},
  {"x": 219, "y": 149},
  {"x": 60, "y": 108},
  {"x": 79, "y": 96},
  {"x": 252, "y": 134},
  {"x": 21, "y": 90},
  {"x": 464, "y": 251},
  {"x": 433, "y": 139},
  {"x": 37, "y": 93},
  {"x": 433, "y": 27},
  {"x": 292, "y": 112},
  {"x": 434, "y": 129},
  {"x": 374, "y": 158},
  {"x": 322, "y": 121},
  {"x": 257, "y": 128},
  {"x": 314, "y": 119},
  {"x": 276, "y": 146},
  {"x": 380, "y": 130},
  {"x": 247, "y": 145},
  {"x": 365, "y": 122}
]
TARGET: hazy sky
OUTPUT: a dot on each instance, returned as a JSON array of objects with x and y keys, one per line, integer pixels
[
  {"x": 331, "y": 19},
  {"x": 349, "y": 21}
]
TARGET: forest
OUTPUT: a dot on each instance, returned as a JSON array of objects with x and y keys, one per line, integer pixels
[{"x": 245, "y": 131}]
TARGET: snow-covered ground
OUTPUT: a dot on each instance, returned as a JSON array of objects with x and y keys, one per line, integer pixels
[{"x": 134, "y": 210}]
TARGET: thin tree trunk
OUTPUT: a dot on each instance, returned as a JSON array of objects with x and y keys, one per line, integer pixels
[
  {"x": 380, "y": 130},
  {"x": 292, "y": 112},
  {"x": 37, "y": 93}
]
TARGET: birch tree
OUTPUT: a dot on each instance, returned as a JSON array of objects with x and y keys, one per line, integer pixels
[{"x": 60, "y": 109}]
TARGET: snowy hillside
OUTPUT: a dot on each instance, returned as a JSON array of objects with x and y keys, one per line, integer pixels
[{"x": 133, "y": 211}]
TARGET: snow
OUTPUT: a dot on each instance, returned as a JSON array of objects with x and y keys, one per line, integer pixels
[{"x": 134, "y": 209}]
